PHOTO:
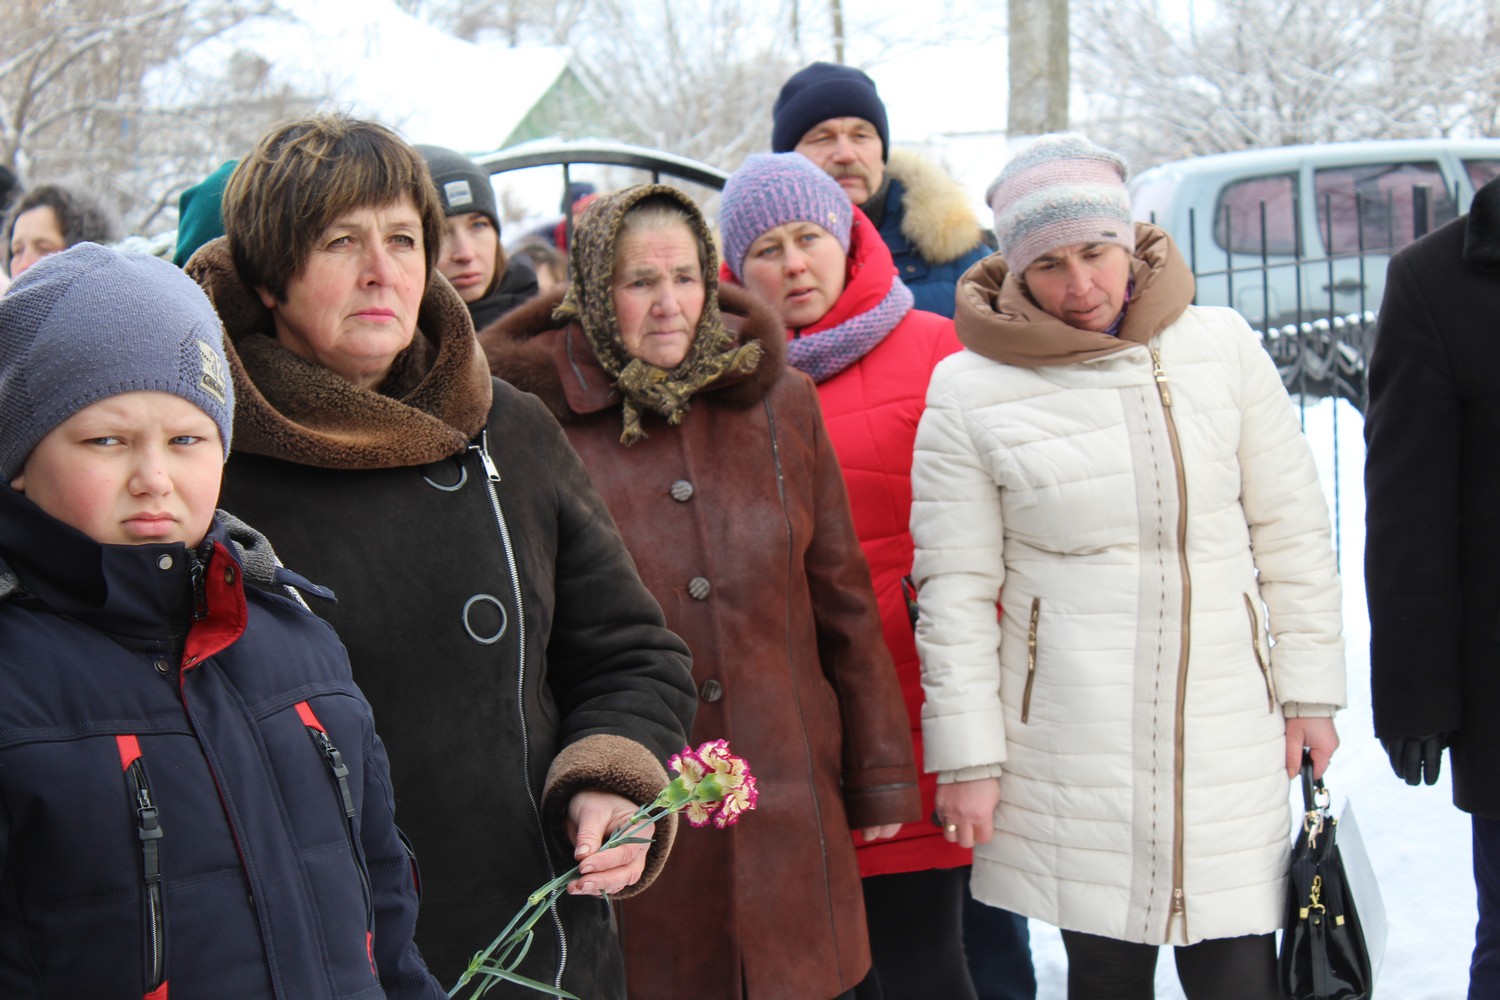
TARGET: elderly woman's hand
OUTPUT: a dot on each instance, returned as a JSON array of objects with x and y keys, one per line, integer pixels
[{"x": 592, "y": 817}]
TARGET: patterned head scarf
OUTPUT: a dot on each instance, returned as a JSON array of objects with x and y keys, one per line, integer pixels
[{"x": 590, "y": 301}]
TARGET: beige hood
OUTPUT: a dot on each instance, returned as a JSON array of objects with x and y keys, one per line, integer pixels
[{"x": 996, "y": 318}]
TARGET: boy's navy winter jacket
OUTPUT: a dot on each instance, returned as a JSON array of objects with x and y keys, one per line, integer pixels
[{"x": 193, "y": 800}]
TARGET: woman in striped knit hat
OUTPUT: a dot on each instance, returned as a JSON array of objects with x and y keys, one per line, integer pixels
[{"x": 1129, "y": 469}]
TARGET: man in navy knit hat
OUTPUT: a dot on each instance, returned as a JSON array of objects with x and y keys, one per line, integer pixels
[{"x": 833, "y": 115}]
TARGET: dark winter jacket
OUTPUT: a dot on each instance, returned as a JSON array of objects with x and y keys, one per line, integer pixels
[
  {"x": 515, "y": 286},
  {"x": 216, "y": 821},
  {"x": 930, "y": 229},
  {"x": 491, "y": 613},
  {"x": 1432, "y": 485},
  {"x": 739, "y": 523}
]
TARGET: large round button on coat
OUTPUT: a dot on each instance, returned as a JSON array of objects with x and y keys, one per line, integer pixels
[
  {"x": 698, "y": 588},
  {"x": 711, "y": 690},
  {"x": 682, "y": 491}
]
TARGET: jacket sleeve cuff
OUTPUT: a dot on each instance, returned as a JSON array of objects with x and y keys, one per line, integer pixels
[
  {"x": 1308, "y": 710},
  {"x": 879, "y": 805},
  {"x": 975, "y": 773},
  {"x": 607, "y": 763}
]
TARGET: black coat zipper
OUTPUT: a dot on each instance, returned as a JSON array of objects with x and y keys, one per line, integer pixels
[
  {"x": 491, "y": 477},
  {"x": 149, "y": 832}
]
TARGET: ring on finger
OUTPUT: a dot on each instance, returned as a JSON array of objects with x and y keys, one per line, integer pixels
[{"x": 951, "y": 828}]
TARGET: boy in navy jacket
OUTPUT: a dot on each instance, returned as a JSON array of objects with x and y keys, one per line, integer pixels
[{"x": 193, "y": 800}]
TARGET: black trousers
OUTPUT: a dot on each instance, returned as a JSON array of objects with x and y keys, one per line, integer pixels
[
  {"x": 1240, "y": 968},
  {"x": 916, "y": 936},
  {"x": 1484, "y": 969}
]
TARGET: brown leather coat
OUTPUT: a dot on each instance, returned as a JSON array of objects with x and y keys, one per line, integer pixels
[{"x": 739, "y": 524}]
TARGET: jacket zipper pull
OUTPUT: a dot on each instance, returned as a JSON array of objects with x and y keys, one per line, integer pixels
[
  {"x": 483, "y": 448},
  {"x": 339, "y": 768},
  {"x": 1179, "y": 912},
  {"x": 1160, "y": 374},
  {"x": 200, "y": 596}
]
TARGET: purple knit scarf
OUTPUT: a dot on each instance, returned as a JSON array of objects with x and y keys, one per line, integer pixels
[{"x": 828, "y": 352}]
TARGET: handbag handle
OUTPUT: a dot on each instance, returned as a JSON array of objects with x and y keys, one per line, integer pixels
[{"x": 1314, "y": 795}]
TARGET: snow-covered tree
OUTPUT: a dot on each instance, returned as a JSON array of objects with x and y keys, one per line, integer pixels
[
  {"x": 82, "y": 97},
  {"x": 1255, "y": 73}
]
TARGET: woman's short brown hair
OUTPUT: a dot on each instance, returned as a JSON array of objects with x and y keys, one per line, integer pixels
[{"x": 303, "y": 176}]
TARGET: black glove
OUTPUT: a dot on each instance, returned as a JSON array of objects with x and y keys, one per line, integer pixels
[{"x": 1416, "y": 759}]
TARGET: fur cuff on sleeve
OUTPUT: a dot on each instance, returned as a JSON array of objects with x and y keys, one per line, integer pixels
[{"x": 606, "y": 763}]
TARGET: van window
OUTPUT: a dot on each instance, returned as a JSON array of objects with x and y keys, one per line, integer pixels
[
  {"x": 1151, "y": 197},
  {"x": 1237, "y": 215},
  {"x": 1369, "y": 205},
  {"x": 1481, "y": 172}
]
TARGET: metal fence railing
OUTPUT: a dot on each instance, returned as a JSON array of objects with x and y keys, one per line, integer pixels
[{"x": 1314, "y": 308}]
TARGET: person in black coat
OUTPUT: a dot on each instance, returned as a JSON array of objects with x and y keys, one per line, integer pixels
[
  {"x": 526, "y": 685},
  {"x": 1432, "y": 484},
  {"x": 472, "y": 256}
]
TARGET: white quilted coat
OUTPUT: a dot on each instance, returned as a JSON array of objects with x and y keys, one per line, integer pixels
[{"x": 1133, "y": 688}]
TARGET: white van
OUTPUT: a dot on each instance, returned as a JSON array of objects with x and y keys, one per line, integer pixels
[{"x": 1300, "y": 233}]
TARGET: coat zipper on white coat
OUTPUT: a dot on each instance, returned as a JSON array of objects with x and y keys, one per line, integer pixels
[{"x": 1179, "y": 896}]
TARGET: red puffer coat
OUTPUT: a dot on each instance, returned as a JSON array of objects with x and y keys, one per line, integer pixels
[{"x": 871, "y": 410}]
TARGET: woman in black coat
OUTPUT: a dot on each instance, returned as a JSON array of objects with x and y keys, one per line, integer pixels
[{"x": 524, "y": 682}]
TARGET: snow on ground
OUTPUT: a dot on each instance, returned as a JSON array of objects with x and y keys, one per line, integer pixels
[{"x": 1418, "y": 842}]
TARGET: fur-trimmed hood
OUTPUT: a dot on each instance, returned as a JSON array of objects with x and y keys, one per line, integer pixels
[
  {"x": 939, "y": 220},
  {"x": 551, "y": 358}
]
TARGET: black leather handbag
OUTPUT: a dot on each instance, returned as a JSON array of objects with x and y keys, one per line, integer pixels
[{"x": 1323, "y": 950}]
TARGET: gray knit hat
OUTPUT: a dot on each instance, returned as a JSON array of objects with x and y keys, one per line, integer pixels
[
  {"x": 1061, "y": 189},
  {"x": 461, "y": 185},
  {"x": 771, "y": 189},
  {"x": 90, "y": 323}
]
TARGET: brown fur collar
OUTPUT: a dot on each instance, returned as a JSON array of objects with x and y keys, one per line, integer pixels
[
  {"x": 435, "y": 399},
  {"x": 531, "y": 351},
  {"x": 939, "y": 220}
]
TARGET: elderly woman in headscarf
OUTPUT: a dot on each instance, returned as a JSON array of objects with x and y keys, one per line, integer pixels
[
  {"x": 527, "y": 689},
  {"x": 712, "y": 455},
  {"x": 1129, "y": 468}
]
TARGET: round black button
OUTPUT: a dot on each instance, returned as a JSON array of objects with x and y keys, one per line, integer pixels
[{"x": 711, "y": 690}]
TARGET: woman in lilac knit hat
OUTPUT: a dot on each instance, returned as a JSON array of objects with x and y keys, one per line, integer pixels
[{"x": 792, "y": 237}]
